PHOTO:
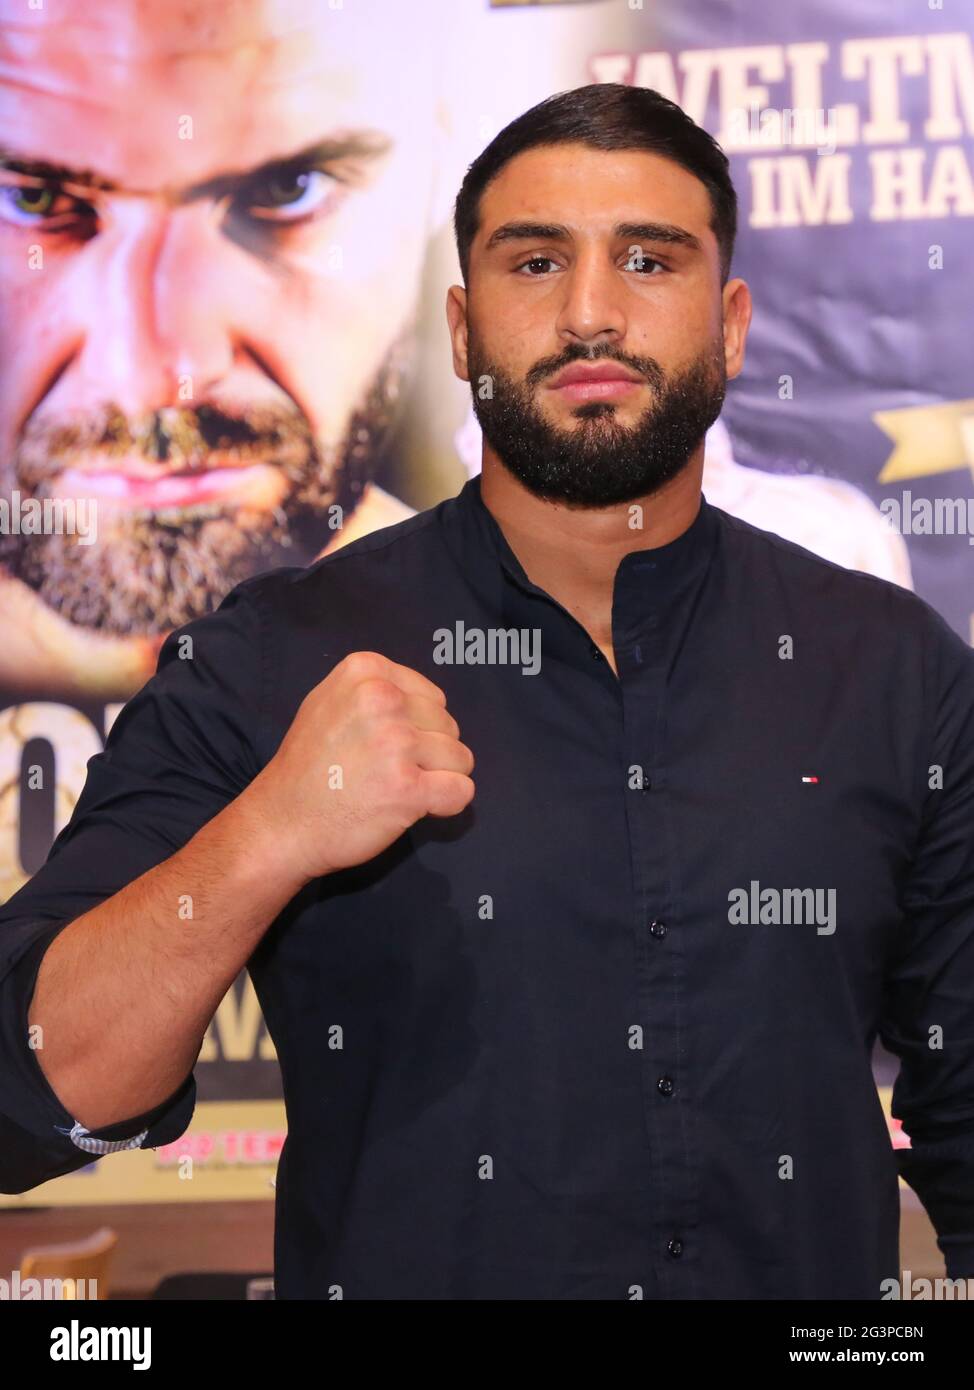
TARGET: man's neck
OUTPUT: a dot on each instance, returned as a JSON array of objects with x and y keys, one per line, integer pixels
[{"x": 573, "y": 553}]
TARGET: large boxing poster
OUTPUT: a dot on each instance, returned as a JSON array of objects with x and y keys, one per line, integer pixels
[{"x": 225, "y": 244}]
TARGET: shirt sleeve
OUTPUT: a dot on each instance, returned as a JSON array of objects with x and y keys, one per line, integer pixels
[
  {"x": 928, "y": 1017},
  {"x": 179, "y": 751}
]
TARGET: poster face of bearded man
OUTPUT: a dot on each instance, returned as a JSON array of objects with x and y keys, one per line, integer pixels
[{"x": 212, "y": 225}]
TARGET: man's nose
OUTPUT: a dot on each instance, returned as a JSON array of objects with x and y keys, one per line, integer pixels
[
  {"x": 593, "y": 299},
  {"x": 159, "y": 327}
]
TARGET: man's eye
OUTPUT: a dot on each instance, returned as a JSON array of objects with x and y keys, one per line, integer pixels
[
  {"x": 535, "y": 260},
  {"x": 40, "y": 205},
  {"x": 639, "y": 261},
  {"x": 287, "y": 196}
]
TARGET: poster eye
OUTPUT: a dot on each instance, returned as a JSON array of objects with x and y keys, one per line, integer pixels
[
  {"x": 288, "y": 195},
  {"x": 34, "y": 205}
]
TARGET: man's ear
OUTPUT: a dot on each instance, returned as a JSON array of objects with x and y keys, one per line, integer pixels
[
  {"x": 736, "y": 302},
  {"x": 456, "y": 318}
]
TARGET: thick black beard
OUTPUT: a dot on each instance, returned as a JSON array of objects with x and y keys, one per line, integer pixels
[
  {"x": 149, "y": 572},
  {"x": 599, "y": 462}
]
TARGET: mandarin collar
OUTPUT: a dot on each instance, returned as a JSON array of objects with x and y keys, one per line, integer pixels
[{"x": 481, "y": 546}]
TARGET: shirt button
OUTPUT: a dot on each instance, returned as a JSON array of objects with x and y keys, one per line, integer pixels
[
  {"x": 665, "y": 1085},
  {"x": 657, "y": 929},
  {"x": 646, "y": 784},
  {"x": 596, "y": 653},
  {"x": 675, "y": 1248}
]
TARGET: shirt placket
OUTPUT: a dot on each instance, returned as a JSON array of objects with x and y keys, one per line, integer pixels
[{"x": 644, "y": 625}]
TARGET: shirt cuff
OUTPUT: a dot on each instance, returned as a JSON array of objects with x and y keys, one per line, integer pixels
[{"x": 57, "y": 1141}]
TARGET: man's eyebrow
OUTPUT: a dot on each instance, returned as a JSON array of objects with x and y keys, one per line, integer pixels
[
  {"x": 625, "y": 231},
  {"x": 355, "y": 144},
  {"x": 51, "y": 173}
]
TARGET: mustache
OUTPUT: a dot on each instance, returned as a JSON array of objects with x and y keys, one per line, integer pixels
[
  {"x": 182, "y": 437},
  {"x": 647, "y": 367}
]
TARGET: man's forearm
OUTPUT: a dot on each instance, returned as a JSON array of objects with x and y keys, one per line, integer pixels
[{"x": 125, "y": 992}]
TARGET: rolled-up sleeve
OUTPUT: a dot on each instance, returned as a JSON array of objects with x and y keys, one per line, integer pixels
[
  {"x": 179, "y": 751},
  {"x": 929, "y": 1002}
]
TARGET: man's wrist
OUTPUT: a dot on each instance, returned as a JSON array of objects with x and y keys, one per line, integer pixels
[{"x": 270, "y": 841}]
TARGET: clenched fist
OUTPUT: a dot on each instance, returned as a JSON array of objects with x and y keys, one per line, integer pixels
[{"x": 372, "y": 749}]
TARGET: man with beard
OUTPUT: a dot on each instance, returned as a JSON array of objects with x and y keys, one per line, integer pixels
[
  {"x": 203, "y": 336},
  {"x": 589, "y": 1030}
]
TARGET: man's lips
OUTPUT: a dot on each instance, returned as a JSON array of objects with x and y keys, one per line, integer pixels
[
  {"x": 598, "y": 381},
  {"x": 149, "y": 486}
]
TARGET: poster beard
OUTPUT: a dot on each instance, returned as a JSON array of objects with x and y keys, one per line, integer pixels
[
  {"x": 152, "y": 570},
  {"x": 600, "y": 462}
]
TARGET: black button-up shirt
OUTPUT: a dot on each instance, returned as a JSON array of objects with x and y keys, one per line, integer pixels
[{"x": 608, "y": 1033}]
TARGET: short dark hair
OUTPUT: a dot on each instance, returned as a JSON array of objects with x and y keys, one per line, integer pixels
[{"x": 605, "y": 116}]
